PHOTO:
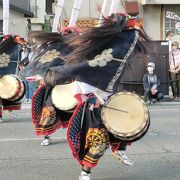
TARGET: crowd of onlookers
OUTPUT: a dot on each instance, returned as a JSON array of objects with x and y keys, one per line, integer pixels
[
  {"x": 174, "y": 65},
  {"x": 151, "y": 82}
]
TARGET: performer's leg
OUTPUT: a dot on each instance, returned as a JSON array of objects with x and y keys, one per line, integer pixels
[
  {"x": 46, "y": 141},
  {"x": 159, "y": 96},
  {"x": 97, "y": 142},
  {"x": 11, "y": 114},
  {"x": 118, "y": 151},
  {"x": 31, "y": 90},
  {"x": 27, "y": 91},
  {"x": 147, "y": 96}
]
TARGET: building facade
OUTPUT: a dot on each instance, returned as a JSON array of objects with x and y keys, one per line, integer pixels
[
  {"x": 38, "y": 7},
  {"x": 161, "y": 16},
  {"x": 18, "y": 14}
]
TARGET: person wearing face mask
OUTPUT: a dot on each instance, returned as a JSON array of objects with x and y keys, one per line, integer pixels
[
  {"x": 174, "y": 68},
  {"x": 151, "y": 85}
]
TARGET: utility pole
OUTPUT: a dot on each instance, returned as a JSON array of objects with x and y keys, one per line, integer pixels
[
  {"x": 75, "y": 12},
  {"x": 58, "y": 13},
  {"x": 5, "y": 16}
]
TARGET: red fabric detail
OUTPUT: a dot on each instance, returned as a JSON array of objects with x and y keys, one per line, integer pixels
[
  {"x": 79, "y": 98},
  {"x": 57, "y": 126},
  {"x": 134, "y": 24},
  {"x": 85, "y": 163},
  {"x": 115, "y": 147},
  {"x": 39, "y": 133},
  {"x": 68, "y": 131},
  {"x": 67, "y": 30},
  {"x": 32, "y": 78},
  {"x": 12, "y": 107},
  {"x": 19, "y": 40},
  {"x": 6, "y": 37},
  {"x": 32, "y": 105},
  {"x": 64, "y": 124}
]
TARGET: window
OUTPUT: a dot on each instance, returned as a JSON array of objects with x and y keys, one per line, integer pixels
[{"x": 172, "y": 19}]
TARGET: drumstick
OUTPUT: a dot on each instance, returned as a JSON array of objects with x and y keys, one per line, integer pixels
[{"x": 115, "y": 109}]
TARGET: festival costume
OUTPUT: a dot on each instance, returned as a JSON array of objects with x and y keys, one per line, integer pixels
[
  {"x": 45, "y": 117},
  {"x": 87, "y": 136},
  {"x": 11, "y": 87},
  {"x": 102, "y": 67},
  {"x": 103, "y": 71}
]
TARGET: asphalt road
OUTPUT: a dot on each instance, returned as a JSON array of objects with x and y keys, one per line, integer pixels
[{"x": 156, "y": 156}]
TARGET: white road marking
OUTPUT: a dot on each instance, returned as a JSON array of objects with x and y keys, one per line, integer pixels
[
  {"x": 171, "y": 133},
  {"x": 65, "y": 138},
  {"x": 153, "y": 134},
  {"x": 156, "y": 110},
  {"x": 30, "y": 139}
]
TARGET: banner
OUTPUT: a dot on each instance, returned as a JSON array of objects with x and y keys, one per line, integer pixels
[{"x": 172, "y": 15}]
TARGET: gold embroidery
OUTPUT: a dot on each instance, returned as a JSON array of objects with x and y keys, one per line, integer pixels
[
  {"x": 4, "y": 60},
  {"x": 97, "y": 141},
  {"x": 102, "y": 59},
  {"x": 49, "y": 56},
  {"x": 48, "y": 114}
]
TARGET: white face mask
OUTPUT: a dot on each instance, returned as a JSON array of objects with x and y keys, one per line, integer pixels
[{"x": 150, "y": 70}]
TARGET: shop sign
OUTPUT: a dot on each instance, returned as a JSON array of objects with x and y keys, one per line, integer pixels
[{"x": 172, "y": 15}]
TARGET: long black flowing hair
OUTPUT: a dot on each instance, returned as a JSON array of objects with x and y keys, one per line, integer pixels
[{"x": 97, "y": 37}]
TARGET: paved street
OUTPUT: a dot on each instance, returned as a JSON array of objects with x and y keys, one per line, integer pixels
[{"x": 156, "y": 156}]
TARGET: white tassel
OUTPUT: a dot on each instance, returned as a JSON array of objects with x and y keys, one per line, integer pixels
[
  {"x": 75, "y": 12},
  {"x": 58, "y": 13}
]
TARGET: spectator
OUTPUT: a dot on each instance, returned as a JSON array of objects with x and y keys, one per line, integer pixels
[
  {"x": 29, "y": 85},
  {"x": 151, "y": 85},
  {"x": 169, "y": 36},
  {"x": 174, "y": 64},
  {"x": 29, "y": 90}
]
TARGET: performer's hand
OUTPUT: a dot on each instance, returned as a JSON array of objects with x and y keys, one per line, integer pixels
[
  {"x": 177, "y": 70},
  {"x": 173, "y": 71},
  {"x": 154, "y": 91}
]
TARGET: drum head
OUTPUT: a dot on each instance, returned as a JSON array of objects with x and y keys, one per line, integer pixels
[
  {"x": 125, "y": 115},
  {"x": 63, "y": 97},
  {"x": 8, "y": 86}
]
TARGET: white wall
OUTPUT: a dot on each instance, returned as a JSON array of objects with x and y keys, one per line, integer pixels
[
  {"x": 152, "y": 21},
  {"x": 17, "y": 23},
  {"x": 41, "y": 12}
]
